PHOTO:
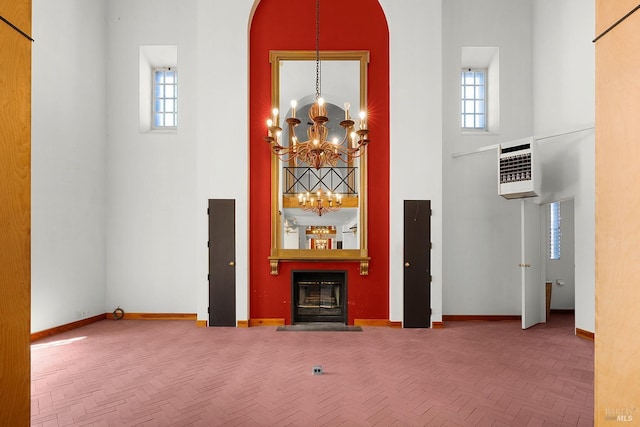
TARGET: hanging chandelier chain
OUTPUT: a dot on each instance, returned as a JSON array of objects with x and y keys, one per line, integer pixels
[
  {"x": 320, "y": 150},
  {"x": 317, "y": 49}
]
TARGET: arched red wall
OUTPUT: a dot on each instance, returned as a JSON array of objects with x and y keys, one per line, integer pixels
[{"x": 344, "y": 25}]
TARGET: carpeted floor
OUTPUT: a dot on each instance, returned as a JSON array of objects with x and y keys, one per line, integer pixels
[{"x": 170, "y": 373}]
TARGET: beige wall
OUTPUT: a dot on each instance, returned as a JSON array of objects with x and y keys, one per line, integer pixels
[
  {"x": 15, "y": 208},
  {"x": 617, "y": 343}
]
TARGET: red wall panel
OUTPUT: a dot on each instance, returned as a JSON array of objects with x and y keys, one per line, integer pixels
[{"x": 344, "y": 25}]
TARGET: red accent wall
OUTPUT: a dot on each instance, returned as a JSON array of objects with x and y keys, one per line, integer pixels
[{"x": 344, "y": 25}]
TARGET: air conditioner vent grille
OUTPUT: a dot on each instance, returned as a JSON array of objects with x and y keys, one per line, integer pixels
[
  {"x": 516, "y": 148},
  {"x": 518, "y": 171},
  {"x": 515, "y": 168}
]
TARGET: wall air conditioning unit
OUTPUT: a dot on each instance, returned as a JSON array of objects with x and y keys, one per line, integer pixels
[{"x": 518, "y": 170}]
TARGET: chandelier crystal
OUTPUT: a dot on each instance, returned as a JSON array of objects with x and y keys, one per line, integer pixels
[{"x": 317, "y": 151}]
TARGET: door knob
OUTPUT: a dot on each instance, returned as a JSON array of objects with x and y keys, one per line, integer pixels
[
  {"x": 232, "y": 263},
  {"x": 406, "y": 264}
]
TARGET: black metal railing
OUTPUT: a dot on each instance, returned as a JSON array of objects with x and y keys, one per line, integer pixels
[{"x": 341, "y": 180}]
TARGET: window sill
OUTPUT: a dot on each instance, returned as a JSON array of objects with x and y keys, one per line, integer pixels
[
  {"x": 160, "y": 131},
  {"x": 479, "y": 132}
]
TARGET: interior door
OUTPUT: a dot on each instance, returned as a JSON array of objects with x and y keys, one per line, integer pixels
[
  {"x": 222, "y": 270},
  {"x": 533, "y": 287},
  {"x": 417, "y": 264}
]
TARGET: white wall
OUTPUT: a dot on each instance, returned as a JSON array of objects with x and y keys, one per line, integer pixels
[
  {"x": 96, "y": 175},
  {"x": 157, "y": 185},
  {"x": 151, "y": 176},
  {"x": 415, "y": 49},
  {"x": 68, "y": 170},
  {"x": 564, "y": 100},
  {"x": 222, "y": 167},
  {"x": 222, "y": 134},
  {"x": 481, "y": 229}
]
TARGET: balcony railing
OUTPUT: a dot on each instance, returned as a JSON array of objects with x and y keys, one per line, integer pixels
[{"x": 340, "y": 180}]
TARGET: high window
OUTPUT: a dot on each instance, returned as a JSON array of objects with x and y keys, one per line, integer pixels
[
  {"x": 474, "y": 104},
  {"x": 554, "y": 230},
  {"x": 158, "y": 88},
  {"x": 165, "y": 98},
  {"x": 480, "y": 90}
]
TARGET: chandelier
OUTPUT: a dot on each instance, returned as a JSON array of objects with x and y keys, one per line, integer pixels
[
  {"x": 321, "y": 232},
  {"x": 317, "y": 151},
  {"x": 321, "y": 204}
]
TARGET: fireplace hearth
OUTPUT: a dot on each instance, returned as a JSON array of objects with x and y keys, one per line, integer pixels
[{"x": 319, "y": 296}]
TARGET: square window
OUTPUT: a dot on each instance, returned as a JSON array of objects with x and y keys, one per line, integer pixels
[
  {"x": 469, "y": 107},
  {"x": 473, "y": 99},
  {"x": 165, "y": 98},
  {"x": 469, "y": 121}
]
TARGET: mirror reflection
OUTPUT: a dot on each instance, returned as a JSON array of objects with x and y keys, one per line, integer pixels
[{"x": 319, "y": 206}]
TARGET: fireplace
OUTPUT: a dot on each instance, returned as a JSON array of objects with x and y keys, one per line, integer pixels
[{"x": 319, "y": 296}]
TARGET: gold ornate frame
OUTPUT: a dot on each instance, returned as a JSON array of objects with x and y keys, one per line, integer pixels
[{"x": 279, "y": 254}]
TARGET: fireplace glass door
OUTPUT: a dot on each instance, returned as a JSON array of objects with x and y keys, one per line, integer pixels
[{"x": 319, "y": 297}]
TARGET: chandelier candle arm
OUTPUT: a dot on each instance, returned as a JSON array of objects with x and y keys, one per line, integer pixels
[{"x": 317, "y": 151}]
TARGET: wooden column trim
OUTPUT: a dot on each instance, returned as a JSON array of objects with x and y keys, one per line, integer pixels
[
  {"x": 483, "y": 317},
  {"x": 67, "y": 327},
  {"x": 15, "y": 214},
  {"x": 585, "y": 334},
  {"x": 617, "y": 296},
  {"x": 109, "y": 316},
  {"x": 371, "y": 322},
  {"x": 266, "y": 322},
  {"x": 156, "y": 316}
]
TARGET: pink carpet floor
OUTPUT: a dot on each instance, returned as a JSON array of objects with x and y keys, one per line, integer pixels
[{"x": 170, "y": 373}]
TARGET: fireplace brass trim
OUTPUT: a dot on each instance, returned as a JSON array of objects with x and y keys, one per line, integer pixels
[
  {"x": 364, "y": 268},
  {"x": 274, "y": 266},
  {"x": 274, "y": 262}
]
